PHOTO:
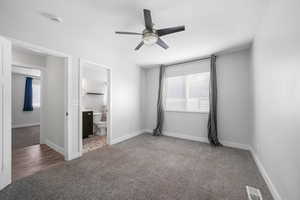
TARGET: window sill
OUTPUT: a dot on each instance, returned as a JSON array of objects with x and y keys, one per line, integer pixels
[{"x": 187, "y": 111}]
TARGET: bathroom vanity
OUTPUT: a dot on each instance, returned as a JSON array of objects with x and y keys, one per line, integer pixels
[{"x": 87, "y": 123}]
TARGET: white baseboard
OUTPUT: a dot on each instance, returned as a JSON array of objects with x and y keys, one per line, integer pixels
[
  {"x": 265, "y": 175},
  {"x": 126, "y": 137},
  {"x": 73, "y": 156},
  {"x": 235, "y": 145},
  {"x": 5, "y": 181},
  {"x": 55, "y": 147},
  {"x": 201, "y": 139},
  {"x": 147, "y": 130},
  {"x": 25, "y": 125},
  {"x": 186, "y": 137}
]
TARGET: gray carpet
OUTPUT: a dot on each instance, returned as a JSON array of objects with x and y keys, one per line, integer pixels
[
  {"x": 24, "y": 137},
  {"x": 146, "y": 167}
]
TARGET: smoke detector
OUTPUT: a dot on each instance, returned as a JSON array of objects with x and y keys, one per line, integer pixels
[{"x": 52, "y": 17}]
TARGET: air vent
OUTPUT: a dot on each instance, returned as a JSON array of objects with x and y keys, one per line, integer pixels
[
  {"x": 253, "y": 193},
  {"x": 52, "y": 17}
]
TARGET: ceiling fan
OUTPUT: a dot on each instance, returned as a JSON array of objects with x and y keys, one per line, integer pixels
[{"x": 150, "y": 35}]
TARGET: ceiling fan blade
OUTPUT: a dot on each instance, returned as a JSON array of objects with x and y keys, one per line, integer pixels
[
  {"x": 139, "y": 46},
  {"x": 148, "y": 19},
  {"x": 161, "y": 43},
  {"x": 127, "y": 33},
  {"x": 166, "y": 31}
]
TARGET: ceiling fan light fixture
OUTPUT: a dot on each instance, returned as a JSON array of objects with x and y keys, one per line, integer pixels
[{"x": 150, "y": 38}]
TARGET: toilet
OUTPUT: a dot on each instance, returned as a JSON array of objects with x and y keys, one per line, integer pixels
[{"x": 99, "y": 126}]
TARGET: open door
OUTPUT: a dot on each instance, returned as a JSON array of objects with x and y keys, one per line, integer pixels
[{"x": 5, "y": 112}]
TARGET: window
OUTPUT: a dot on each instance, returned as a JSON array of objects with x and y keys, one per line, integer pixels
[
  {"x": 188, "y": 92},
  {"x": 36, "y": 94}
]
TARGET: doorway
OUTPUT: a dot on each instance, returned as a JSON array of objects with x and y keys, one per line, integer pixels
[
  {"x": 94, "y": 106},
  {"x": 25, "y": 120},
  {"x": 44, "y": 140},
  {"x": 38, "y": 111}
]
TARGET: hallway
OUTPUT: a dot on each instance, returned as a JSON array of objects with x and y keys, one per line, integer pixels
[{"x": 29, "y": 160}]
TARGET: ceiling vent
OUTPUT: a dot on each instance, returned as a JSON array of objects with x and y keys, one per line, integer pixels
[
  {"x": 52, "y": 17},
  {"x": 253, "y": 193}
]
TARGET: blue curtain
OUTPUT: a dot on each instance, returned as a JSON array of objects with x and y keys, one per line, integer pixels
[{"x": 28, "y": 95}]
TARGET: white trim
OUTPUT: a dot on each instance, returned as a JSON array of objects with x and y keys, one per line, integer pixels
[
  {"x": 67, "y": 125},
  {"x": 180, "y": 136},
  {"x": 201, "y": 139},
  {"x": 42, "y": 103},
  {"x": 265, "y": 175},
  {"x": 20, "y": 64},
  {"x": 185, "y": 137},
  {"x": 5, "y": 113},
  {"x": 79, "y": 139},
  {"x": 68, "y": 66},
  {"x": 25, "y": 125},
  {"x": 126, "y": 137},
  {"x": 147, "y": 130},
  {"x": 55, "y": 147},
  {"x": 39, "y": 49},
  {"x": 74, "y": 156},
  {"x": 187, "y": 111},
  {"x": 236, "y": 145}
]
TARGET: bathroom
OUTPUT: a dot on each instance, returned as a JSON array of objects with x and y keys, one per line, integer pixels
[{"x": 94, "y": 83}]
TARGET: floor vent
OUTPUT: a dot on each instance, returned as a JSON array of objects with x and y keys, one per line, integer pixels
[{"x": 253, "y": 193}]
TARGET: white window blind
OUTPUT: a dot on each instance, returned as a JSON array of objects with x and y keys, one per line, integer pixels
[
  {"x": 36, "y": 93},
  {"x": 187, "y": 87}
]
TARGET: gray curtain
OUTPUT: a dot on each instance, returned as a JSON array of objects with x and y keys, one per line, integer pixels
[
  {"x": 212, "y": 116},
  {"x": 160, "y": 110}
]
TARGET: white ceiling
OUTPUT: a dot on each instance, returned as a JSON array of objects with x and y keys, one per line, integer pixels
[{"x": 211, "y": 25}]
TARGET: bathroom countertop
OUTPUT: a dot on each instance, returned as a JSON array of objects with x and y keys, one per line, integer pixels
[{"x": 86, "y": 110}]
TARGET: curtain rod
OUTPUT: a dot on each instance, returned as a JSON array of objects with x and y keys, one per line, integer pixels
[
  {"x": 27, "y": 75},
  {"x": 188, "y": 61}
]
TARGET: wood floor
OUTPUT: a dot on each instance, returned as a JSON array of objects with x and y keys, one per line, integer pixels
[
  {"x": 29, "y": 160},
  {"x": 25, "y": 136}
]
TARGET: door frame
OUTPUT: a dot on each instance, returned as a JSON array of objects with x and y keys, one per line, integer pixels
[
  {"x": 43, "y": 71},
  {"x": 5, "y": 114},
  {"x": 67, "y": 68},
  {"x": 82, "y": 62}
]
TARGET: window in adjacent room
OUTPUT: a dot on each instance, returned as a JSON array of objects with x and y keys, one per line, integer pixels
[
  {"x": 187, "y": 92},
  {"x": 36, "y": 94}
]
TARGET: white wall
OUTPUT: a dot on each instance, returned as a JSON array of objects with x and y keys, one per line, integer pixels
[
  {"x": 53, "y": 108},
  {"x": 19, "y": 117},
  {"x": 23, "y": 57},
  {"x": 233, "y": 103},
  {"x": 276, "y": 87},
  {"x": 93, "y": 41},
  {"x": 96, "y": 77},
  {"x": 144, "y": 110}
]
